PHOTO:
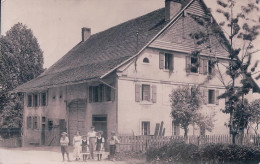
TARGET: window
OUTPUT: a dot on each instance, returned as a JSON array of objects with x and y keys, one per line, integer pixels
[
  {"x": 29, "y": 122},
  {"x": 166, "y": 61},
  {"x": 211, "y": 96},
  {"x": 146, "y": 128},
  {"x": 146, "y": 60},
  {"x": 100, "y": 93},
  {"x": 210, "y": 67},
  {"x": 43, "y": 99},
  {"x": 35, "y": 100},
  {"x": 176, "y": 129},
  {"x": 29, "y": 100},
  {"x": 145, "y": 92},
  {"x": 194, "y": 65},
  {"x": 35, "y": 122}
]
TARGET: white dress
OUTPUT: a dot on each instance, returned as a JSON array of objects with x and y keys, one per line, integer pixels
[{"x": 77, "y": 146}]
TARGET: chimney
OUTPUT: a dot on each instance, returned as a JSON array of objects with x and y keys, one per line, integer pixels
[
  {"x": 86, "y": 33},
  {"x": 172, "y": 7}
]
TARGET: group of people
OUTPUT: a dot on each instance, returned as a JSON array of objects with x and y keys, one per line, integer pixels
[{"x": 86, "y": 145}]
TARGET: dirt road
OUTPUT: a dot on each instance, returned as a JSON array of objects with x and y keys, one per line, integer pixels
[{"x": 41, "y": 155}]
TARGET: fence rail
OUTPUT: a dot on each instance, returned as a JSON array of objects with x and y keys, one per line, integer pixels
[
  {"x": 142, "y": 143},
  {"x": 11, "y": 142}
]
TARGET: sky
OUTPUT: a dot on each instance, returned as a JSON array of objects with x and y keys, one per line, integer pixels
[{"x": 57, "y": 23}]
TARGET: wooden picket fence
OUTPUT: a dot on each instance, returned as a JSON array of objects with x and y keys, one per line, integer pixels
[{"x": 142, "y": 143}]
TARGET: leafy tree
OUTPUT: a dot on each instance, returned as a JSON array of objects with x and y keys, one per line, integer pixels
[
  {"x": 254, "y": 119},
  {"x": 186, "y": 104},
  {"x": 21, "y": 60},
  {"x": 241, "y": 28}
]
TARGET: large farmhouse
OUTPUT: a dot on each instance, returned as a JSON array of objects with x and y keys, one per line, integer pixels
[{"x": 120, "y": 79}]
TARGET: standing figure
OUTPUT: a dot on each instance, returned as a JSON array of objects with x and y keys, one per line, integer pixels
[
  {"x": 100, "y": 144},
  {"x": 92, "y": 141},
  {"x": 77, "y": 145},
  {"x": 112, "y": 145},
  {"x": 64, "y": 142},
  {"x": 85, "y": 150}
]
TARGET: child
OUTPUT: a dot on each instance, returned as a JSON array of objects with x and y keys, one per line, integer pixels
[
  {"x": 85, "y": 150},
  {"x": 64, "y": 142},
  {"x": 100, "y": 144},
  {"x": 112, "y": 144}
]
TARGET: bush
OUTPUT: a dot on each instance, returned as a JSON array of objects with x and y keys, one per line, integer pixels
[
  {"x": 174, "y": 151},
  {"x": 211, "y": 153},
  {"x": 229, "y": 153}
]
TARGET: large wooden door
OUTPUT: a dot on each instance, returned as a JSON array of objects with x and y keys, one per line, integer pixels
[{"x": 77, "y": 116}]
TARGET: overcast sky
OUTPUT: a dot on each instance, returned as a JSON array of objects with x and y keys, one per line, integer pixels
[{"x": 57, "y": 23}]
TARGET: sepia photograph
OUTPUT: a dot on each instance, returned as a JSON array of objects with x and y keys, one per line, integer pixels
[{"x": 130, "y": 81}]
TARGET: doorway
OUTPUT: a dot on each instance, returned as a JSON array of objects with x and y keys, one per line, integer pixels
[
  {"x": 100, "y": 124},
  {"x": 77, "y": 117},
  {"x": 43, "y": 130}
]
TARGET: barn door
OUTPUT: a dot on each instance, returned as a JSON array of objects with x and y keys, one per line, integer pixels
[{"x": 77, "y": 116}]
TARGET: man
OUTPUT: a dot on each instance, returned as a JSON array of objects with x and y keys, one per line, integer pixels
[
  {"x": 64, "y": 142},
  {"x": 92, "y": 141}
]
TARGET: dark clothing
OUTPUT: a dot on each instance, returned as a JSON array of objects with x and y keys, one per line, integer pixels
[
  {"x": 112, "y": 150},
  {"x": 99, "y": 142},
  {"x": 84, "y": 146},
  {"x": 64, "y": 149}
]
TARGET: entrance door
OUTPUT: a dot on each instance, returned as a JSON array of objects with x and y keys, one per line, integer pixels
[
  {"x": 100, "y": 123},
  {"x": 77, "y": 116},
  {"x": 43, "y": 130},
  {"x": 43, "y": 134}
]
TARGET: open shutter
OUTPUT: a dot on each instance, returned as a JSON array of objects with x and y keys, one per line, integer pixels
[
  {"x": 205, "y": 67},
  {"x": 171, "y": 66},
  {"x": 137, "y": 92},
  {"x": 217, "y": 94},
  {"x": 90, "y": 94},
  {"x": 188, "y": 64},
  {"x": 201, "y": 66},
  {"x": 161, "y": 60},
  {"x": 205, "y": 96},
  {"x": 113, "y": 92},
  {"x": 38, "y": 122},
  {"x": 154, "y": 93}
]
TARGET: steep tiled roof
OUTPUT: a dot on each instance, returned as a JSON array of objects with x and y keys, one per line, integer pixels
[{"x": 101, "y": 52}]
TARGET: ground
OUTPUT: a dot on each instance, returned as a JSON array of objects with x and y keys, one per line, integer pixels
[{"x": 41, "y": 155}]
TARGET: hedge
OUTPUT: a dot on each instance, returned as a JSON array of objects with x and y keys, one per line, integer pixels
[{"x": 179, "y": 152}]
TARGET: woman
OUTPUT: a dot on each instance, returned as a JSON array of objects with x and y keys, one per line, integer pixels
[
  {"x": 100, "y": 144},
  {"x": 77, "y": 145},
  {"x": 112, "y": 145}
]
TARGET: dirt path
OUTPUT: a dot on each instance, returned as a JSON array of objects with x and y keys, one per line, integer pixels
[{"x": 40, "y": 155}]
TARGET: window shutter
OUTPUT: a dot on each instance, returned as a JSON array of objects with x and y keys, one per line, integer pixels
[
  {"x": 90, "y": 94},
  {"x": 205, "y": 67},
  {"x": 137, "y": 92},
  {"x": 38, "y": 122},
  {"x": 205, "y": 96},
  {"x": 201, "y": 66},
  {"x": 154, "y": 92},
  {"x": 213, "y": 69},
  {"x": 172, "y": 63},
  {"x": 161, "y": 60},
  {"x": 217, "y": 94},
  {"x": 188, "y": 64},
  {"x": 113, "y": 94}
]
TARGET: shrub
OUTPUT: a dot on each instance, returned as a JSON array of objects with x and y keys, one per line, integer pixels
[
  {"x": 174, "y": 151},
  {"x": 211, "y": 153}
]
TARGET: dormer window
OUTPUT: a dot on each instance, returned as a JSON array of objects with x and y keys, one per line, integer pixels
[{"x": 146, "y": 60}]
